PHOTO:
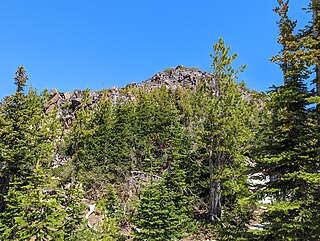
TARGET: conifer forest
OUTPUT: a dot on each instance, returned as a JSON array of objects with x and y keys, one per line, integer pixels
[{"x": 186, "y": 155}]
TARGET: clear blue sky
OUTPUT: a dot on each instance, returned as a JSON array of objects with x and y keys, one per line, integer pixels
[{"x": 78, "y": 44}]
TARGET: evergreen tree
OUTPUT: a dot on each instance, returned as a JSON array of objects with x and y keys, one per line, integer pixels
[
  {"x": 288, "y": 157},
  {"x": 34, "y": 211},
  {"x": 223, "y": 116},
  {"x": 159, "y": 130},
  {"x": 289, "y": 154},
  {"x": 110, "y": 203},
  {"x": 77, "y": 141},
  {"x": 108, "y": 149},
  {"x": 162, "y": 211},
  {"x": 109, "y": 206},
  {"x": 36, "y": 208},
  {"x": 27, "y": 133},
  {"x": 308, "y": 42}
]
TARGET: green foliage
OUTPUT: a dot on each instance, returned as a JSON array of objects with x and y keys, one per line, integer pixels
[
  {"x": 20, "y": 80},
  {"x": 224, "y": 128},
  {"x": 82, "y": 129},
  {"x": 35, "y": 207},
  {"x": 162, "y": 211},
  {"x": 289, "y": 155},
  {"x": 75, "y": 225},
  {"x": 41, "y": 210},
  {"x": 290, "y": 149},
  {"x": 26, "y": 134},
  {"x": 32, "y": 211},
  {"x": 110, "y": 204},
  {"x": 165, "y": 135}
]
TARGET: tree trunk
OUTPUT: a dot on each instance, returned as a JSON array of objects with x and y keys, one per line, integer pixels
[{"x": 215, "y": 209}]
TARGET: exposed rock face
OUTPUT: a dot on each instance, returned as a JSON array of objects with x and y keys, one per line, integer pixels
[
  {"x": 68, "y": 102},
  {"x": 180, "y": 75}
]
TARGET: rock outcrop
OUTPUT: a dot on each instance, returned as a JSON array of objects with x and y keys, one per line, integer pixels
[
  {"x": 68, "y": 102},
  {"x": 173, "y": 77}
]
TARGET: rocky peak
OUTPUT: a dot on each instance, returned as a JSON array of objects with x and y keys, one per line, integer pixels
[{"x": 173, "y": 77}]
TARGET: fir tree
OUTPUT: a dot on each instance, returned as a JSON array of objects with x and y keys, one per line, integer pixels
[
  {"x": 32, "y": 211},
  {"x": 288, "y": 157},
  {"x": 27, "y": 133},
  {"x": 162, "y": 211},
  {"x": 289, "y": 154}
]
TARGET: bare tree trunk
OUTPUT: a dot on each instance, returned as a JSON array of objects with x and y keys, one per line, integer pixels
[
  {"x": 217, "y": 183},
  {"x": 211, "y": 190},
  {"x": 215, "y": 209}
]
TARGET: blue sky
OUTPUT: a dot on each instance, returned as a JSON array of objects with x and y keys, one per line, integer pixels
[{"x": 78, "y": 44}]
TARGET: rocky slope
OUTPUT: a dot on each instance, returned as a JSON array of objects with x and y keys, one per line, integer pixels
[{"x": 67, "y": 103}]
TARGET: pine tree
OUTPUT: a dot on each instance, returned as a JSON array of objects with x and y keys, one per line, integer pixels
[
  {"x": 110, "y": 203},
  {"x": 223, "y": 116},
  {"x": 90, "y": 145}
]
